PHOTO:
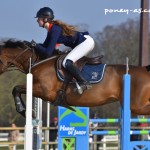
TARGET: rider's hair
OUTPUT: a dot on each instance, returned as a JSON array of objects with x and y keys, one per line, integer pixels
[{"x": 68, "y": 30}]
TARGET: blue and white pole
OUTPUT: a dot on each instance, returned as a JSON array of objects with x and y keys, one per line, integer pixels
[{"x": 125, "y": 135}]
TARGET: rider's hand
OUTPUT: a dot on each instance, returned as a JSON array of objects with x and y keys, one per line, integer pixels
[{"x": 33, "y": 43}]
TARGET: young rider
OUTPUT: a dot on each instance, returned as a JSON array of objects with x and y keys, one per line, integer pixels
[{"x": 62, "y": 33}]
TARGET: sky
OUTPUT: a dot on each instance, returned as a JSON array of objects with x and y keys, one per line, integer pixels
[{"x": 17, "y": 16}]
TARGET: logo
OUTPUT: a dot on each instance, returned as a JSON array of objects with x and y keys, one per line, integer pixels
[{"x": 73, "y": 123}]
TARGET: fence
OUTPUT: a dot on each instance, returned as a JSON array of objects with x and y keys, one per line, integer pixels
[
  {"x": 4, "y": 136},
  {"x": 104, "y": 143}
]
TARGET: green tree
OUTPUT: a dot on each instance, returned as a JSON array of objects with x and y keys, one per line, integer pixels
[{"x": 118, "y": 42}]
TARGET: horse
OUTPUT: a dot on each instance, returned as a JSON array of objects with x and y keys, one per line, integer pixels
[{"x": 16, "y": 54}]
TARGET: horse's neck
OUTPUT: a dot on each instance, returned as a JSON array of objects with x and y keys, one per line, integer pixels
[{"x": 21, "y": 60}]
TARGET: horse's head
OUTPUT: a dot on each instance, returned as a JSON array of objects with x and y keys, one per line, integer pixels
[{"x": 15, "y": 54}]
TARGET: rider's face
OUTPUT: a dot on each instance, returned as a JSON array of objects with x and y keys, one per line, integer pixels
[{"x": 40, "y": 22}]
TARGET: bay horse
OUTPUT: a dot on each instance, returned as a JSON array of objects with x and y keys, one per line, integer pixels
[{"x": 46, "y": 83}]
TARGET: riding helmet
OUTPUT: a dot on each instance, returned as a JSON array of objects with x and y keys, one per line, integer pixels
[{"x": 45, "y": 12}]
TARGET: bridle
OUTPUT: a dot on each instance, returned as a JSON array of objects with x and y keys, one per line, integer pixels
[{"x": 10, "y": 66}]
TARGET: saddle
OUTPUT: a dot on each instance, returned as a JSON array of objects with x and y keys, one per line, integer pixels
[
  {"x": 61, "y": 94},
  {"x": 80, "y": 63}
]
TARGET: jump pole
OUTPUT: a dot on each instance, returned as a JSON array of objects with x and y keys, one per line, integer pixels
[
  {"x": 37, "y": 124},
  {"x": 126, "y": 114},
  {"x": 29, "y": 127},
  {"x": 48, "y": 125}
]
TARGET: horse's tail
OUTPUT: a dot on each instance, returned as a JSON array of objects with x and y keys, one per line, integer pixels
[{"x": 148, "y": 67}]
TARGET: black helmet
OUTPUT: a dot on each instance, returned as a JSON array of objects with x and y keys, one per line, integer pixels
[{"x": 45, "y": 12}]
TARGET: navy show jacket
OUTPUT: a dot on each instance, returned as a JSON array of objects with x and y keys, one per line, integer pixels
[{"x": 55, "y": 36}]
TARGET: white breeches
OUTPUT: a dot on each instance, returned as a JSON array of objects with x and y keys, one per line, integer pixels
[{"x": 80, "y": 50}]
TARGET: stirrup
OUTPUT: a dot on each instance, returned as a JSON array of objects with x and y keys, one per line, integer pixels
[
  {"x": 86, "y": 86},
  {"x": 81, "y": 88}
]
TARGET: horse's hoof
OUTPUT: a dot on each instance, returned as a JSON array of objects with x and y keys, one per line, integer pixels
[{"x": 61, "y": 100}]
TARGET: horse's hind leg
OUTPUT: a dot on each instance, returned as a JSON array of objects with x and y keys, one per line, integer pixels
[{"x": 20, "y": 106}]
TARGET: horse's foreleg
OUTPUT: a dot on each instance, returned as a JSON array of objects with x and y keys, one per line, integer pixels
[{"x": 20, "y": 106}]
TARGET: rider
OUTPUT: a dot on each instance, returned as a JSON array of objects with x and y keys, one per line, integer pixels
[{"x": 61, "y": 33}]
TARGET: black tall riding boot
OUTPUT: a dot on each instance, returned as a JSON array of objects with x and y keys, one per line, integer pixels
[{"x": 75, "y": 72}]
